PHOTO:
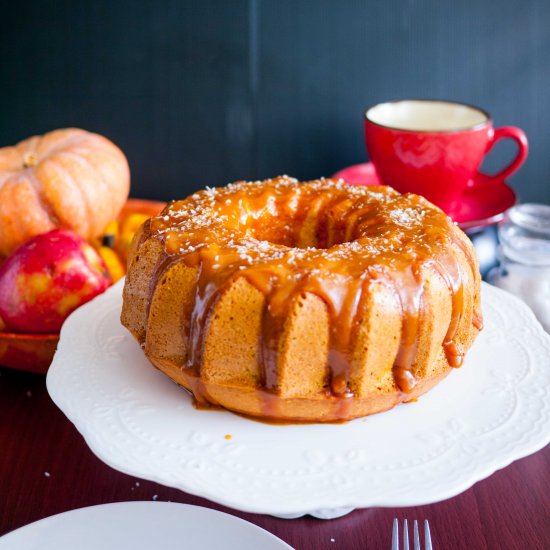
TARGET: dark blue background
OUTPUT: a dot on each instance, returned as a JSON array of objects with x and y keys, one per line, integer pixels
[{"x": 203, "y": 93}]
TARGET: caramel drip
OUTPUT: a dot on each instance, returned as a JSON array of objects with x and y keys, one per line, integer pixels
[
  {"x": 205, "y": 297},
  {"x": 210, "y": 284},
  {"x": 409, "y": 287},
  {"x": 325, "y": 238},
  {"x": 345, "y": 303},
  {"x": 345, "y": 307},
  {"x": 477, "y": 320},
  {"x": 201, "y": 398},
  {"x": 277, "y": 303},
  {"x": 450, "y": 271}
]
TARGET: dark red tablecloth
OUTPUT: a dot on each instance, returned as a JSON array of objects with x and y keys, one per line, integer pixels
[{"x": 46, "y": 468}]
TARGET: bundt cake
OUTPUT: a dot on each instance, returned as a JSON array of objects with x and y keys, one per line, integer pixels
[{"x": 314, "y": 301}]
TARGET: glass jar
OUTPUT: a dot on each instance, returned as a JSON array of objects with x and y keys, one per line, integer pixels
[{"x": 524, "y": 255}]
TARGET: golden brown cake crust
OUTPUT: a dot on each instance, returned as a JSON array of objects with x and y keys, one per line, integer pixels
[{"x": 314, "y": 301}]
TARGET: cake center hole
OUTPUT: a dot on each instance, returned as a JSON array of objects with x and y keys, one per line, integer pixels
[{"x": 319, "y": 233}]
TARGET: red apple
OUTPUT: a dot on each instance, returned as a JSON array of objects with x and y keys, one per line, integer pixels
[{"x": 47, "y": 278}]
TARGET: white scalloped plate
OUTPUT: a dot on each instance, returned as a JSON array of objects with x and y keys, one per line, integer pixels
[{"x": 493, "y": 410}]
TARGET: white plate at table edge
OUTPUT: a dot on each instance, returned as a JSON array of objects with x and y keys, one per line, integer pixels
[
  {"x": 140, "y": 525},
  {"x": 140, "y": 423}
]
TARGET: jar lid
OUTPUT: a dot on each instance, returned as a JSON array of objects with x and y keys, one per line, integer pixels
[
  {"x": 525, "y": 234},
  {"x": 531, "y": 216}
]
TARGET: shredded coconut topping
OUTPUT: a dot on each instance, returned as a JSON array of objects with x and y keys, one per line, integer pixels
[{"x": 280, "y": 222}]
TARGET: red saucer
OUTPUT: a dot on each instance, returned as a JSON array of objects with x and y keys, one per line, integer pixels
[{"x": 481, "y": 205}]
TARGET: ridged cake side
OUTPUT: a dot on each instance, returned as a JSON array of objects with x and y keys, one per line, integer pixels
[{"x": 307, "y": 321}]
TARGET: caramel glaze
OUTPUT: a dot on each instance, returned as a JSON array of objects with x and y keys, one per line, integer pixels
[{"x": 322, "y": 237}]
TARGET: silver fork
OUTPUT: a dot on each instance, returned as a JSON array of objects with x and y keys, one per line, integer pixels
[{"x": 395, "y": 536}]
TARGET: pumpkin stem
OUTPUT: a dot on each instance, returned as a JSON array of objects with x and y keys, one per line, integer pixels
[{"x": 29, "y": 160}]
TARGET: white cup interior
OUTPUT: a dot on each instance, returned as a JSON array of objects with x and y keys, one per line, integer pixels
[{"x": 426, "y": 116}]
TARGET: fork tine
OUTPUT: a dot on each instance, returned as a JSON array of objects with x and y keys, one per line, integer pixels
[
  {"x": 405, "y": 534},
  {"x": 416, "y": 536},
  {"x": 395, "y": 535},
  {"x": 427, "y": 535}
]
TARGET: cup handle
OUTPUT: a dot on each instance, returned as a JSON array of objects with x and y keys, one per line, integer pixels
[{"x": 520, "y": 138}]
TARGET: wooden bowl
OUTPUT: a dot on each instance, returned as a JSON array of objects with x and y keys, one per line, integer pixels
[{"x": 34, "y": 352}]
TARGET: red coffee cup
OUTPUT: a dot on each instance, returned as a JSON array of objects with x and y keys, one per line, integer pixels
[{"x": 435, "y": 148}]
